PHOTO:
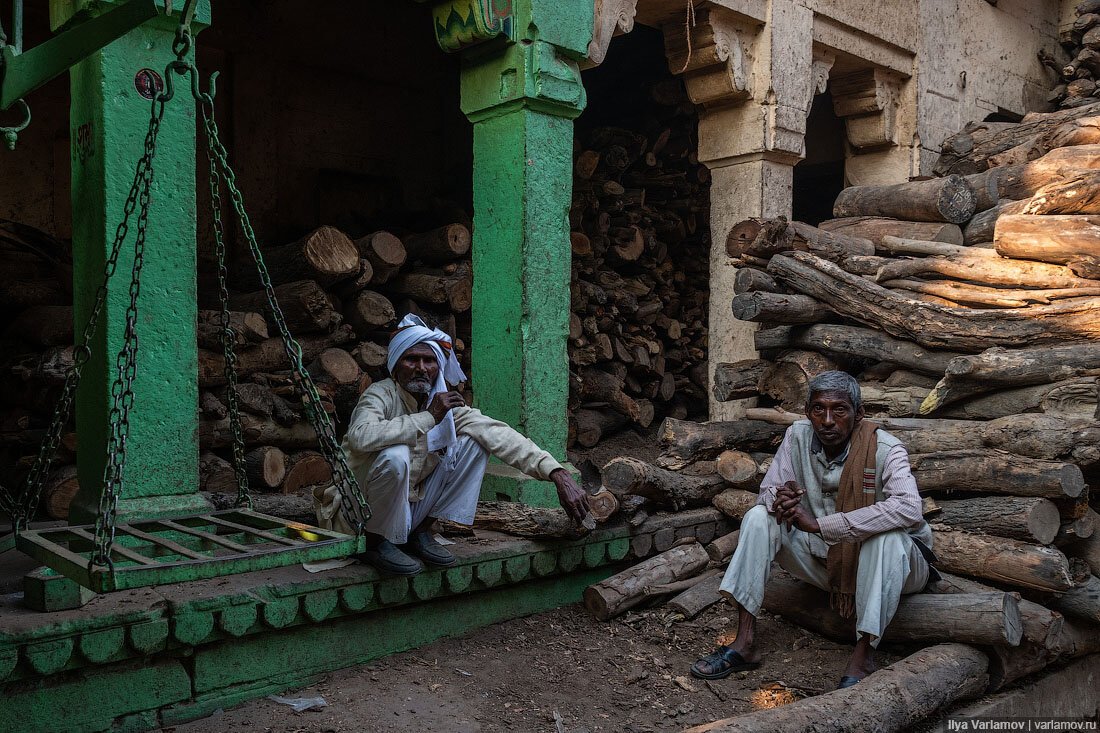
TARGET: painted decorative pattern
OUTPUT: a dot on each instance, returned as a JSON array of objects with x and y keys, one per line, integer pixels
[{"x": 460, "y": 24}]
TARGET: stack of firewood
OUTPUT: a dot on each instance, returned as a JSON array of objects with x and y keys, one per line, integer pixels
[
  {"x": 968, "y": 309},
  {"x": 1081, "y": 41},
  {"x": 340, "y": 298},
  {"x": 640, "y": 243}
]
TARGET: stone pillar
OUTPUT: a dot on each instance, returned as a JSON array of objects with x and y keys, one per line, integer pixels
[
  {"x": 522, "y": 96},
  {"x": 878, "y": 112},
  {"x": 755, "y": 79},
  {"x": 109, "y": 117}
]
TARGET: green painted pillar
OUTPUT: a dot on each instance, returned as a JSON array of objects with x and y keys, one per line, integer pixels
[
  {"x": 522, "y": 90},
  {"x": 108, "y": 120}
]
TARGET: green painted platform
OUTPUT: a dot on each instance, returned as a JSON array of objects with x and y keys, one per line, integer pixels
[{"x": 164, "y": 655}]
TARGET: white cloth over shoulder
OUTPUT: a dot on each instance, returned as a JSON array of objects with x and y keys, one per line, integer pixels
[{"x": 412, "y": 331}]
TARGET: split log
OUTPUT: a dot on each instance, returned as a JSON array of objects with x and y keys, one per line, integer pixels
[
  {"x": 735, "y": 502},
  {"x": 368, "y": 312},
  {"x": 216, "y": 474},
  {"x": 1074, "y": 399},
  {"x": 257, "y": 431},
  {"x": 778, "y": 308},
  {"x": 1011, "y": 562},
  {"x": 58, "y": 491},
  {"x": 385, "y": 252},
  {"x": 324, "y": 255},
  {"x": 1075, "y": 193},
  {"x": 936, "y": 326},
  {"x": 737, "y": 468},
  {"x": 764, "y": 238},
  {"x": 526, "y": 521},
  {"x": 1029, "y": 519},
  {"x": 603, "y": 504},
  {"x": 981, "y": 228},
  {"x": 254, "y": 398},
  {"x": 738, "y": 380},
  {"x": 43, "y": 325},
  {"x": 853, "y": 341},
  {"x": 594, "y": 425},
  {"x": 721, "y": 549},
  {"x": 304, "y": 469},
  {"x": 248, "y": 329},
  {"x": 441, "y": 245},
  {"x": 1058, "y": 239},
  {"x": 949, "y": 199},
  {"x": 875, "y": 228},
  {"x": 431, "y": 286},
  {"x": 623, "y": 591},
  {"x": 267, "y": 356},
  {"x": 982, "y": 297},
  {"x": 265, "y": 467},
  {"x": 788, "y": 379},
  {"x": 892, "y": 699},
  {"x": 1082, "y": 602},
  {"x": 306, "y": 307},
  {"x": 697, "y": 598},
  {"x": 988, "y": 269},
  {"x": 632, "y": 476},
  {"x": 684, "y": 443},
  {"x": 995, "y": 472}
]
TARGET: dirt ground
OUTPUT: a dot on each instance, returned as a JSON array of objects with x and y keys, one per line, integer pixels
[{"x": 560, "y": 672}]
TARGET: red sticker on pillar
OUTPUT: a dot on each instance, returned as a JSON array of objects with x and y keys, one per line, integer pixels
[{"x": 148, "y": 83}]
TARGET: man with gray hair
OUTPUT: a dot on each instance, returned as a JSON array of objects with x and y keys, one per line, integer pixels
[{"x": 838, "y": 508}]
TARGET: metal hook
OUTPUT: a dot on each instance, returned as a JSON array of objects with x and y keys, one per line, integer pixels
[{"x": 11, "y": 134}]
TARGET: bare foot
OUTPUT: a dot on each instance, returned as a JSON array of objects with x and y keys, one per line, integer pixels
[{"x": 862, "y": 661}]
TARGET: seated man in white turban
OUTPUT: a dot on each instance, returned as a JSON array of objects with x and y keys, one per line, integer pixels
[{"x": 420, "y": 454}]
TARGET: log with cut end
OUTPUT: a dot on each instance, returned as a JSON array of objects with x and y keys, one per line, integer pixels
[
  {"x": 1071, "y": 133},
  {"x": 603, "y": 504},
  {"x": 1058, "y": 239},
  {"x": 632, "y": 476},
  {"x": 265, "y": 467},
  {"x": 875, "y": 228},
  {"x": 988, "y": 269},
  {"x": 267, "y": 356},
  {"x": 893, "y": 401},
  {"x": 982, "y": 469},
  {"x": 594, "y": 425},
  {"x": 526, "y": 521},
  {"x": 698, "y": 598},
  {"x": 787, "y": 380},
  {"x": 752, "y": 280},
  {"x": 325, "y": 255},
  {"x": 763, "y": 238},
  {"x": 252, "y": 397},
  {"x": 306, "y": 307},
  {"x": 58, "y": 491},
  {"x": 368, "y": 312},
  {"x": 778, "y": 308},
  {"x": 737, "y": 380},
  {"x": 853, "y": 341},
  {"x": 1029, "y": 519},
  {"x": 1088, "y": 549},
  {"x": 370, "y": 356},
  {"x": 211, "y": 406},
  {"x": 257, "y": 431},
  {"x": 734, "y": 502},
  {"x": 893, "y": 699},
  {"x": 216, "y": 474},
  {"x": 981, "y": 228},
  {"x": 435, "y": 286},
  {"x": 623, "y": 591},
  {"x": 440, "y": 245},
  {"x": 949, "y": 199},
  {"x": 1009, "y": 562},
  {"x": 683, "y": 442},
  {"x": 248, "y": 328},
  {"x": 1081, "y": 602},
  {"x": 334, "y": 367},
  {"x": 385, "y": 252},
  {"x": 1074, "y": 399},
  {"x": 1040, "y": 624},
  {"x": 937, "y": 326},
  {"x": 737, "y": 468},
  {"x": 306, "y": 468},
  {"x": 721, "y": 549}
]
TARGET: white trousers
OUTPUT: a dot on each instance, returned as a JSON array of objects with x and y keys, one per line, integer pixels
[
  {"x": 446, "y": 494},
  {"x": 890, "y": 564}
]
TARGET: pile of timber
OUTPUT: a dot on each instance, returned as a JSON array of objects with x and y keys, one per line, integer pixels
[
  {"x": 1078, "y": 79},
  {"x": 340, "y": 298},
  {"x": 640, "y": 240},
  {"x": 974, "y": 332}
]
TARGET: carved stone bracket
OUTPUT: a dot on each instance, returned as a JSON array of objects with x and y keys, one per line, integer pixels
[
  {"x": 868, "y": 101},
  {"x": 713, "y": 56},
  {"x": 819, "y": 76},
  {"x": 460, "y": 24},
  {"x": 610, "y": 18}
]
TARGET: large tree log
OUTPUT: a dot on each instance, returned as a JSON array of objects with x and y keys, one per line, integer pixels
[
  {"x": 1059, "y": 239},
  {"x": 385, "y": 252},
  {"x": 1010, "y": 562},
  {"x": 1082, "y": 602},
  {"x": 988, "y": 269},
  {"x": 596, "y": 385},
  {"x": 948, "y": 199},
  {"x": 684, "y": 443},
  {"x": 268, "y": 356},
  {"x": 526, "y": 521},
  {"x": 892, "y": 699},
  {"x": 875, "y": 228},
  {"x": 306, "y": 468},
  {"x": 788, "y": 379},
  {"x": 979, "y": 296},
  {"x": 982, "y": 469},
  {"x": 778, "y": 308},
  {"x": 697, "y": 598},
  {"x": 325, "y": 255},
  {"x": 936, "y": 326},
  {"x": 1040, "y": 624},
  {"x": 1081, "y": 131},
  {"x": 623, "y": 591},
  {"x": 306, "y": 307},
  {"x": 368, "y": 312},
  {"x": 737, "y": 380},
  {"x": 432, "y": 286},
  {"x": 893, "y": 401},
  {"x": 445, "y": 244},
  {"x": 980, "y": 229},
  {"x": 1029, "y": 519},
  {"x": 766, "y": 237},
  {"x": 248, "y": 329},
  {"x": 738, "y": 468},
  {"x": 594, "y": 425},
  {"x": 1073, "y": 399},
  {"x": 853, "y": 341},
  {"x": 751, "y": 280},
  {"x": 1076, "y": 193},
  {"x": 265, "y": 467},
  {"x": 735, "y": 502},
  {"x": 632, "y": 476},
  {"x": 257, "y": 431},
  {"x": 58, "y": 491}
]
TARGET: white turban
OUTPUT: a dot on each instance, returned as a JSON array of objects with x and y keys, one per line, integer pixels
[{"x": 413, "y": 331}]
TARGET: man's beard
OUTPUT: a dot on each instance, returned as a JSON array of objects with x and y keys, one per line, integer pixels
[{"x": 418, "y": 386}]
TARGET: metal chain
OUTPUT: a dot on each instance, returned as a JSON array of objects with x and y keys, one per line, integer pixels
[
  {"x": 22, "y": 507},
  {"x": 122, "y": 389},
  {"x": 228, "y": 336}
]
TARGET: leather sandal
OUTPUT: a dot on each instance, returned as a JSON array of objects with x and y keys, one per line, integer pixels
[
  {"x": 424, "y": 546},
  {"x": 389, "y": 559},
  {"x": 725, "y": 661}
]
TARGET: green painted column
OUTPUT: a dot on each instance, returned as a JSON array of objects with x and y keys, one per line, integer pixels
[
  {"x": 108, "y": 119},
  {"x": 522, "y": 98}
]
